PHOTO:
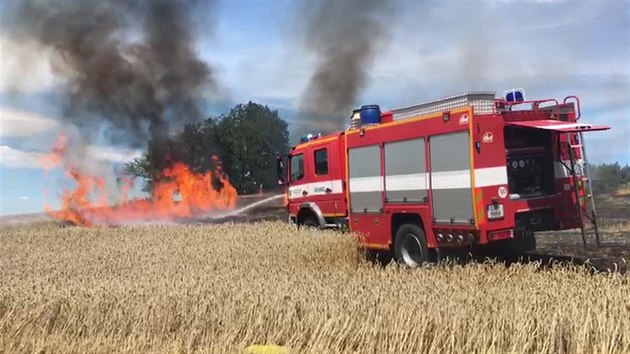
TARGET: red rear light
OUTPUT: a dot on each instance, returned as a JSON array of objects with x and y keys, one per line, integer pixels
[{"x": 500, "y": 235}]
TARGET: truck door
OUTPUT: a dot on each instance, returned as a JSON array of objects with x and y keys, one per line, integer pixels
[
  {"x": 315, "y": 179},
  {"x": 297, "y": 185},
  {"x": 450, "y": 178},
  {"x": 325, "y": 187}
]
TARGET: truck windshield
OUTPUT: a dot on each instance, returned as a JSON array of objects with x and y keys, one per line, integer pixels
[{"x": 297, "y": 167}]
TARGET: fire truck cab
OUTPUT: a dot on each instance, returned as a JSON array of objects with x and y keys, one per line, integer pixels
[
  {"x": 317, "y": 187},
  {"x": 469, "y": 170}
]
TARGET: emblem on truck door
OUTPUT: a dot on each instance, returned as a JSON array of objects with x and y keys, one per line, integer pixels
[
  {"x": 320, "y": 189},
  {"x": 463, "y": 120},
  {"x": 488, "y": 137}
]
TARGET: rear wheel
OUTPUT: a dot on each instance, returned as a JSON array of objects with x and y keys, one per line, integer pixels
[
  {"x": 410, "y": 246},
  {"x": 454, "y": 255},
  {"x": 523, "y": 241}
]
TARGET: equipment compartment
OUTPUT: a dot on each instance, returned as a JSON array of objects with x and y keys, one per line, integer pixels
[{"x": 530, "y": 162}]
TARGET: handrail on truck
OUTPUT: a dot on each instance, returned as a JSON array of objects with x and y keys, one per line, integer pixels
[
  {"x": 556, "y": 108},
  {"x": 536, "y": 104},
  {"x": 577, "y": 100}
]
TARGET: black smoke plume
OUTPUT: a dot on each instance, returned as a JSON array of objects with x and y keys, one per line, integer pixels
[
  {"x": 131, "y": 64},
  {"x": 345, "y": 36}
]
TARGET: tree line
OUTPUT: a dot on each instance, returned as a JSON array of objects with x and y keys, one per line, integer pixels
[
  {"x": 610, "y": 177},
  {"x": 245, "y": 140}
]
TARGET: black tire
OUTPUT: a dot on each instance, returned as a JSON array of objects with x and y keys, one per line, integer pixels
[
  {"x": 454, "y": 255},
  {"x": 524, "y": 241},
  {"x": 381, "y": 258},
  {"x": 310, "y": 222},
  {"x": 410, "y": 246}
]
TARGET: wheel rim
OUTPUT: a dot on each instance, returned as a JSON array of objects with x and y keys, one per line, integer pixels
[
  {"x": 309, "y": 224},
  {"x": 412, "y": 251}
]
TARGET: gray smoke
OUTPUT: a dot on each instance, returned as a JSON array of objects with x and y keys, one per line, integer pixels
[
  {"x": 131, "y": 64},
  {"x": 345, "y": 36}
]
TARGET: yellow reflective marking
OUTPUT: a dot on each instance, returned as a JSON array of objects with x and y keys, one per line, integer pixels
[
  {"x": 472, "y": 165},
  {"x": 375, "y": 246},
  {"x": 479, "y": 203}
]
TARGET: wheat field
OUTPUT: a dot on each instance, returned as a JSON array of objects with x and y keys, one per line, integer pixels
[{"x": 222, "y": 288}]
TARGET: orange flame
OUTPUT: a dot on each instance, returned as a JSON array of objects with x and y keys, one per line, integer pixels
[{"x": 196, "y": 195}]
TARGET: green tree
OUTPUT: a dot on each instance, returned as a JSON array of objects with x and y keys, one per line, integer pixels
[
  {"x": 194, "y": 145},
  {"x": 245, "y": 139},
  {"x": 609, "y": 177},
  {"x": 249, "y": 136}
]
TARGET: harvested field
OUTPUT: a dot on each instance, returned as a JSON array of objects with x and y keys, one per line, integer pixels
[
  {"x": 614, "y": 226},
  {"x": 613, "y": 254},
  {"x": 220, "y": 288}
]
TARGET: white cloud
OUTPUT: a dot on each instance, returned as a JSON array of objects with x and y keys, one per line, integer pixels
[
  {"x": 18, "y": 123},
  {"x": 22, "y": 124},
  {"x": 25, "y": 197},
  {"x": 10, "y": 157},
  {"x": 432, "y": 58},
  {"x": 24, "y": 67},
  {"x": 14, "y": 158},
  {"x": 541, "y": 45},
  {"x": 273, "y": 71}
]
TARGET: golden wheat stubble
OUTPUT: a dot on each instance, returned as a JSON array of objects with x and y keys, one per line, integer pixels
[{"x": 221, "y": 288}]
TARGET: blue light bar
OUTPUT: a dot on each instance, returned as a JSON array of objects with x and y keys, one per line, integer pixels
[{"x": 514, "y": 95}]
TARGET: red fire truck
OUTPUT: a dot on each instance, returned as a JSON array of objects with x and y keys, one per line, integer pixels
[{"x": 470, "y": 170}]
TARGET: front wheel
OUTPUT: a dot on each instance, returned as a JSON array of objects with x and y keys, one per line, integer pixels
[
  {"x": 310, "y": 223},
  {"x": 410, "y": 246}
]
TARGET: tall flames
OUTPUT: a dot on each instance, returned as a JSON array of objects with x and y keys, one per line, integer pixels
[{"x": 178, "y": 193}]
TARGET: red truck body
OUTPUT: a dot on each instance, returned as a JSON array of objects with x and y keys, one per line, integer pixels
[{"x": 467, "y": 170}]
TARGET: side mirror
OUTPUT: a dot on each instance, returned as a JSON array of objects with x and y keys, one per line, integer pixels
[{"x": 280, "y": 169}]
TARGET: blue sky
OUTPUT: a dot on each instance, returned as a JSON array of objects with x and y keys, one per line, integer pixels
[{"x": 435, "y": 48}]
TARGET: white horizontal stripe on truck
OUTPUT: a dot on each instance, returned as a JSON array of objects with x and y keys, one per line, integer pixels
[
  {"x": 406, "y": 182},
  {"x": 315, "y": 188},
  {"x": 366, "y": 184},
  {"x": 484, "y": 177},
  {"x": 490, "y": 176},
  {"x": 450, "y": 179}
]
